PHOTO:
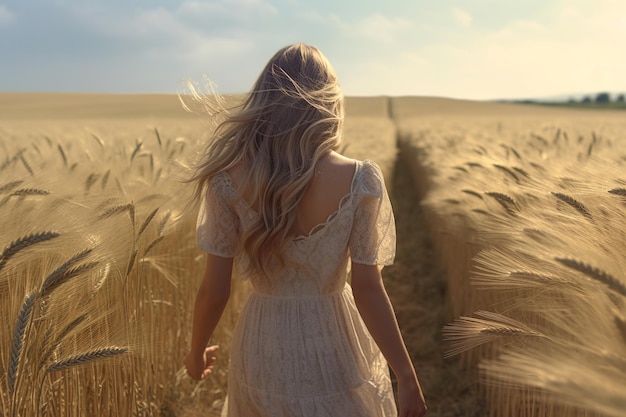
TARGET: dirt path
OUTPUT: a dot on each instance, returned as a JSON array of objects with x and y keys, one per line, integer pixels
[{"x": 417, "y": 289}]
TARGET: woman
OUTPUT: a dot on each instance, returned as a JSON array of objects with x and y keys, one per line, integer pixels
[{"x": 280, "y": 204}]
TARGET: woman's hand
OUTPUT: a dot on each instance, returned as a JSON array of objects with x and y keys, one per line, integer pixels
[
  {"x": 411, "y": 401},
  {"x": 199, "y": 366}
]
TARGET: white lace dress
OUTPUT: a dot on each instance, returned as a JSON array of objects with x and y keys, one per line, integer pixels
[{"x": 300, "y": 347}]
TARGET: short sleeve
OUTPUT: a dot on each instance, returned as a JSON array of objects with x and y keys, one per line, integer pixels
[
  {"x": 217, "y": 229},
  {"x": 373, "y": 235}
]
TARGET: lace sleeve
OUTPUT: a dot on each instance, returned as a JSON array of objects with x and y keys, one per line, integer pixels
[
  {"x": 217, "y": 230},
  {"x": 373, "y": 236}
]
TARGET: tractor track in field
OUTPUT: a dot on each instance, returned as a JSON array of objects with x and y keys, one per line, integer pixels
[{"x": 417, "y": 288}]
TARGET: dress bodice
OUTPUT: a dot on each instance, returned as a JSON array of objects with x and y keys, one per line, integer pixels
[{"x": 362, "y": 228}]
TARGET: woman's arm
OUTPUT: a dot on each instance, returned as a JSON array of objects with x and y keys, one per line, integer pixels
[
  {"x": 211, "y": 300},
  {"x": 377, "y": 312}
]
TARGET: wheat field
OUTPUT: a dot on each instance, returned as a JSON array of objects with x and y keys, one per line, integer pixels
[
  {"x": 524, "y": 207},
  {"x": 528, "y": 215}
]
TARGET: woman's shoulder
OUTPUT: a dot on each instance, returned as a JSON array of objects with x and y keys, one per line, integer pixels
[
  {"x": 369, "y": 179},
  {"x": 227, "y": 179}
]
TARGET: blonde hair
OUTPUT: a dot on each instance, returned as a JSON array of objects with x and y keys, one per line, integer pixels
[{"x": 293, "y": 115}]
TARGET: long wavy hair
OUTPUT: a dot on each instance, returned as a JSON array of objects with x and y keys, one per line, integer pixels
[{"x": 293, "y": 115}]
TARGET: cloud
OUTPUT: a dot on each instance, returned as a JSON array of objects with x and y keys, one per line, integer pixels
[
  {"x": 461, "y": 17},
  {"x": 6, "y": 15},
  {"x": 238, "y": 10},
  {"x": 381, "y": 28},
  {"x": 373, "y": 27}
]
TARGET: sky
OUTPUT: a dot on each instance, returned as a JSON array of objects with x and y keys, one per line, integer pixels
[{"x": 471, "y": 49}]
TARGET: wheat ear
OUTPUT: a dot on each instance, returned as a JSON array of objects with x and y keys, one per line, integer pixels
[
  {"x": 137, "y": 149},
  {"x": 116, "y": 210},
  {"x": 618, "y": 191},
  {"x": 64, "y": 272},
  {"x": 505, "y": 201},
  {"x": 577, "y": 205},
  {"x": 131, "y": 262},
  {"x": 30, "y": 191},
  {"x": 27, "y": 165},
  {"x": 474, "y": 193},
  {"x": 147, "y": 221},
  {"x": 621, "y": 327},
  {"x": 105, "y": 179},
  {"x": 91, "y": 179},
  {"x": 11, "y": 185},
  {"x": 24, "y": 242},
  {"x": 86, "y": 357},
  {"x": 158, "y": 136},
  {"x": 595, "y": 273},
  {"x": 507, "y": 171},
  {"x": 57, "y": 340},
  {"x": 62, "y": 152},
  {"x": 164, "y": 222},
  {"x": 465, "y": 333},
  {"x": 18, "y": 337},
  {"x": 521, "y": 171},
  {"x": 153, "y": 244}
]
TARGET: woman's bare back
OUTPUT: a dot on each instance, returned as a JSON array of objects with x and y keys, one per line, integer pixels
[{"x": 331, "y": 183}]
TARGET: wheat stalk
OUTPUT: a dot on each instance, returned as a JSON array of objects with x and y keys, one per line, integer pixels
[
  {"x": 65, "y": 271},
  {"x": 97, "y": 139},
  {"x": 22, "y": 243},
  {"x": 10, "y": 185},
  {"x": 557, "y": 136},
  {"x": 104, "y": 274},
  {"x": 466, "y": 333},
  {"x": 116, "y": 210},
  {"x": 105, "y": 179},
  {"x": 544, "y": 279},
  {"x": 137, "y": 148},
  {"x": 57, "y": 340},
  {"x": 618, "y": 191},
  {"x": 106, "y": 202},
  {"x": 54, "y": 281},
  {"x": 12, "y": 160},
  {"x": 30, "y": 191},
  {"x": 595, "y": 273},
  {"x": 157, "y": 176},
  {"x": 147, "y": 221},
  {"x": 27, "y": 165},
  {"x": 131, "y": 262},
  {"x": 163, "y": 223},
  {"x": 621, "y": 327},
  {"x": 481, "y": 211},
  {"x": 521, "y": 171},
  {"x": 18, "y": 337},
  {"x": 153, "y": 244},
  {"x": 507, "y": 171},
  {"x": 62, "y": 152},
  {"x": 539, "y": 138},
  {"x": 86, "y": 357},
  {"x": 91, "y": 179},
  {"x": 505, "y": 201},
  {"x": 158, "y": 136},
  {"x": 577, "y": 205},
  {"x": 474, "y": 193}
]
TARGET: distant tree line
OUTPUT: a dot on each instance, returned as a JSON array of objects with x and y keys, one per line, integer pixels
[{"x": 600, "y": 98}]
